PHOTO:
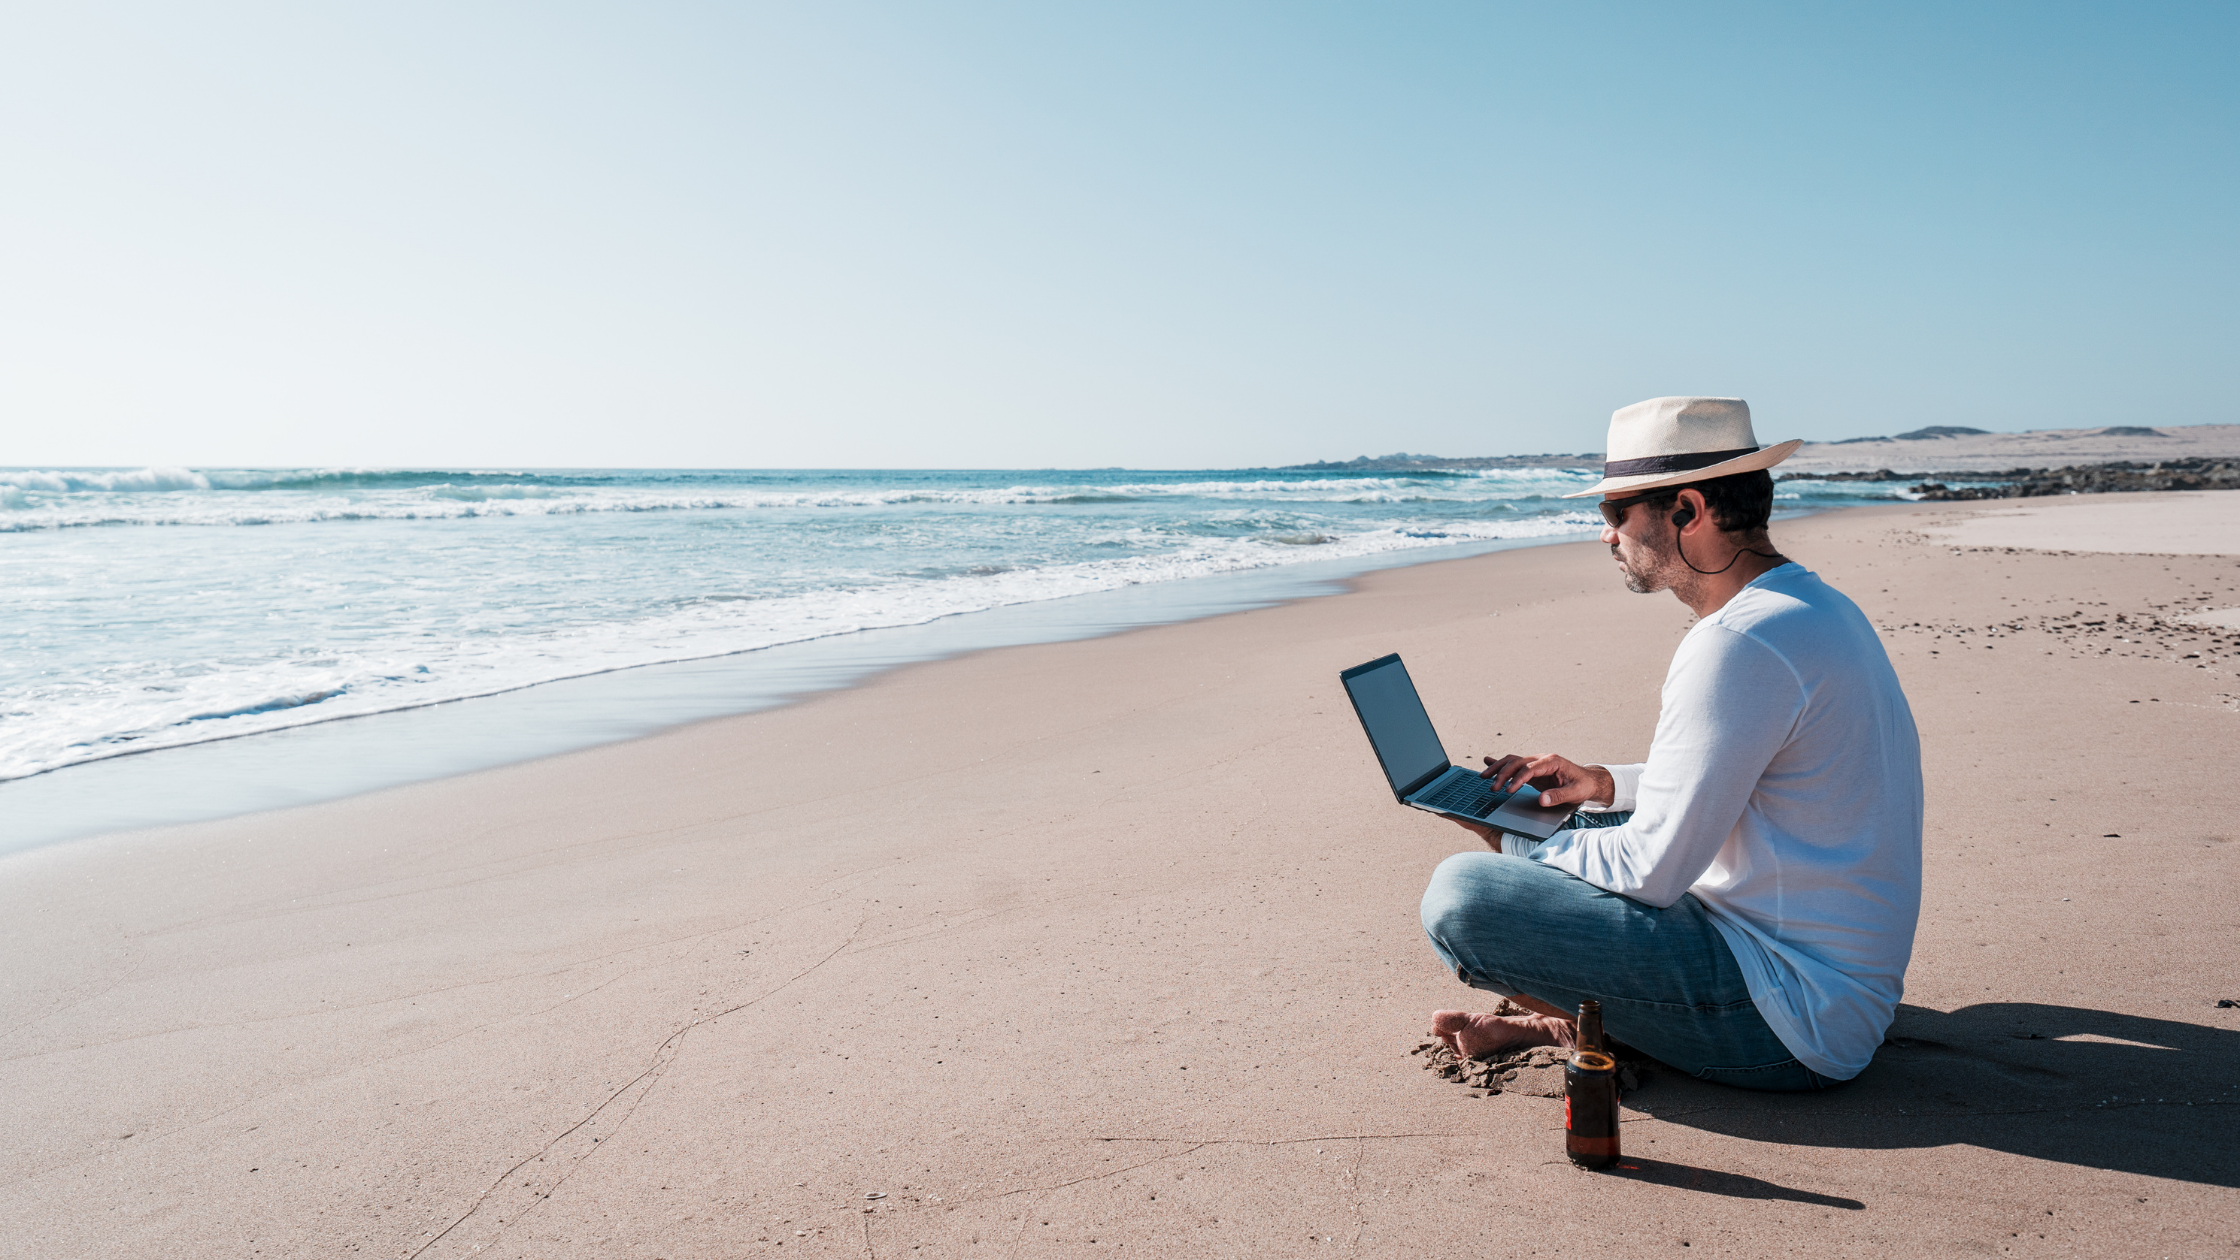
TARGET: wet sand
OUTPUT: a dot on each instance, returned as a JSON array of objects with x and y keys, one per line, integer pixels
[{"x": 1113, "y": 945}]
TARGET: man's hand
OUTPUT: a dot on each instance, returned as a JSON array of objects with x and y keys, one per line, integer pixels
[
  {"x": 1492, "y": 836},
  {"x": 1561, "y": 781}
]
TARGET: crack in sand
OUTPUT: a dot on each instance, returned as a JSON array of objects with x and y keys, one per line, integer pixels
[
  {"x": 664, "y": 1054},
  {"x": 1023, "y": 1216},
  {"x": 1189, "y": 1145},
  {"x": 417, "y": 994},
  {"x": 1102, "y": 1175},
  {"x": 297, "y": 1082},
  {"x": 908, "y": 935}
]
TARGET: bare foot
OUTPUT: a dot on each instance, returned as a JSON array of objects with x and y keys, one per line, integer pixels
[{"x": 1476, "y": 1036}]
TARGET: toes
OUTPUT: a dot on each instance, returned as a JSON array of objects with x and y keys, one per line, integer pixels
[
  {"x": 1488, "y": 1034},
  {"x": 1447, "y": 1023},
  {"x": 1491, "y": 1034}
]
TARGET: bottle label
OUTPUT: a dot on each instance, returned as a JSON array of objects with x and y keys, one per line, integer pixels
[{"x": 1590, "y": 1112}]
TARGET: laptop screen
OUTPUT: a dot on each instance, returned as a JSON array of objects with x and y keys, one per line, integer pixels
[{"x": 1399, "y": 729}]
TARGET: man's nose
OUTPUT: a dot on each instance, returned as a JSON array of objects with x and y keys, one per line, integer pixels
[{"x": 1609, "y": 536}]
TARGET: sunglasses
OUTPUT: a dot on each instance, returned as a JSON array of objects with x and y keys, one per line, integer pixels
[{"x": 1614, "y": 510}]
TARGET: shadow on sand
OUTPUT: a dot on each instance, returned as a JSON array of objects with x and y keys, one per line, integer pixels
[
  {"x": 2089, "y": 1088},
  {"x": 1711, "y": 1181}
]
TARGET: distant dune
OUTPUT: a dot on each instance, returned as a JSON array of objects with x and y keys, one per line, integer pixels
[
  {"x": 1939, "y": 448},
  {"x": 1963, "y": 451}
]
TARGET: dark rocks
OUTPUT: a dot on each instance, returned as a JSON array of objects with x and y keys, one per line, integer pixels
[{"x": 2195, "y": 473}]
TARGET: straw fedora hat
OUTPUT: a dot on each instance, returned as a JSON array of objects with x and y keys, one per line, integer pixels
[{"x": 1673, "y": 441}]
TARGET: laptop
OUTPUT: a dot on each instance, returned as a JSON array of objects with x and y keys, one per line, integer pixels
[{"x": 1415, "y": 762}]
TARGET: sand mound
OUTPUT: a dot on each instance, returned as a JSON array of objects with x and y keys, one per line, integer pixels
[{"x": 1535, "y": 1071}]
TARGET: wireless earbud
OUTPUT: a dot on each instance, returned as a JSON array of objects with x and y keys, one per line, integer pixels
[{"x": 1680, "y": 521}]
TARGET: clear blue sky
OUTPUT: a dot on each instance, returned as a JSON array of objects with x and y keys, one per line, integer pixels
[{"x": 1152, "y": 234}]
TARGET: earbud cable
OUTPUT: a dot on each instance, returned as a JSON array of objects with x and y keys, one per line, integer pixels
[{"x": 1678, "y": 546}]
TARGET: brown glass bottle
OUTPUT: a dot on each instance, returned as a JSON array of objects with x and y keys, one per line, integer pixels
[{"x": 1590, "y": 1095}]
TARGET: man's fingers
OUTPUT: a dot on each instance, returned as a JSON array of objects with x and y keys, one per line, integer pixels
[
  {"x": 1517, "y": 772},
  {"x": 1567, "y": 794},
  {"x": 1551, "y": 767},
  {"x": 1565, "y": 782},
  {"x": 1504, "y": 771}
]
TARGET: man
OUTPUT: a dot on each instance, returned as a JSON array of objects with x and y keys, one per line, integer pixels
[{"x": 1743, "y": 903}]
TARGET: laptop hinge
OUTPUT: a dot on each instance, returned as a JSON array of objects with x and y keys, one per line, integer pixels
[{"x": 1424, "y": 782}]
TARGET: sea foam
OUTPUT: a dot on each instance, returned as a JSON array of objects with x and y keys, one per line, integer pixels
[{"x": 363, "y": 591}]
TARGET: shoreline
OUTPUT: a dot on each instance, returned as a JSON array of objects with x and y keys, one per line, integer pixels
[
  {"x": 1114, "y": 943},
  {"x": 347, "y": 754},
  {"x": 159, "y": 629},
  {"x": 352, "y": 753}
]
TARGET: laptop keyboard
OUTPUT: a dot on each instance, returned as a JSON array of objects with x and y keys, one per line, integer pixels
[{"x": 1464, "y": 794}]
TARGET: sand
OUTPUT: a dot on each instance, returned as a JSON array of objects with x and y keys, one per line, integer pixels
[
  {"x": 2189, "y": 523},
  {"x": 2041, "y": 448},
  {"x": 1112, "y": 946}
]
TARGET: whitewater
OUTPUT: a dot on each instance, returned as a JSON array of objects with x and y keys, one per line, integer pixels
[{"x": 158, "y": 607}]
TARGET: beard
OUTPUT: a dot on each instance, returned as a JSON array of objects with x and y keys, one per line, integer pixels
[{"x": 1639, "y": 581}]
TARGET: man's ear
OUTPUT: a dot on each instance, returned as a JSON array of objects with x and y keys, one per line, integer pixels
[{"x": 1690, "y": 505}]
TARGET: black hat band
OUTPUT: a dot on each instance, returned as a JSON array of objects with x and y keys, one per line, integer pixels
[{"x": 1673, "y": 463}]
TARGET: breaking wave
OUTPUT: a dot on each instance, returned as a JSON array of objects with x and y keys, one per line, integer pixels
[
  {"x": 62, "y": 499},
  {"x": 368, "y": 590}
]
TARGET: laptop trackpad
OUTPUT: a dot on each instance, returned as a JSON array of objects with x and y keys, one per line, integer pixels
[{"x": 1521, "y": 815}]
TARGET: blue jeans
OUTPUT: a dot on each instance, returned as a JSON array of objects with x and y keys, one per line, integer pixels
[{"x": 1668, "y": 984}]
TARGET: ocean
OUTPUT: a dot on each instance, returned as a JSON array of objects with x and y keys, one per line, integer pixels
[{"x": 165, "y": 608}]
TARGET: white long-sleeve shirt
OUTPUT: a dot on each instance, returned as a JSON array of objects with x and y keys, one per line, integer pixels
[{"x": 1783, "y": 789}]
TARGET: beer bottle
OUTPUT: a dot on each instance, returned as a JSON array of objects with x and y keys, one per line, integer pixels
[{"x": 1590, "y": 1095}]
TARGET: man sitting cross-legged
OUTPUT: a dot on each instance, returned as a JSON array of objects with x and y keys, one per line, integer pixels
[{"x": 1743, "y": 903}]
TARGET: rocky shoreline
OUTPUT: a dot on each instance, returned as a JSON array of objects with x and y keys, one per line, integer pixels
[{"x": 2024, "y": 483}]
